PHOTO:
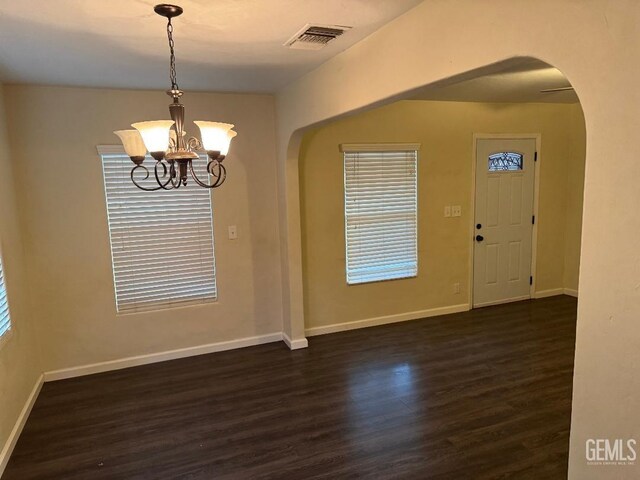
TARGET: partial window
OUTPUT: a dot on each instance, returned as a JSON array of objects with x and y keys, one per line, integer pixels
[
  {"x": 381, "y": 205},
  {"x": 5, "y": 319},
  {"x": 505, "y": 161},
  {"x": 161, "y": 242}
]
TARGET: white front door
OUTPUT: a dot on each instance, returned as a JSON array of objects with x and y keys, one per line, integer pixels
[{"x": 505, "y": 173}]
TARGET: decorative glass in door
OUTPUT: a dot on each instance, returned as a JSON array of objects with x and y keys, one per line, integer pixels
[{"x": 505, "y": 161}]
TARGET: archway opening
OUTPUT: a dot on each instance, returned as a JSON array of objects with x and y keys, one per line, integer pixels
[
  {"x": 511, "y": 103},
  {"x": 518, "y": 98}
]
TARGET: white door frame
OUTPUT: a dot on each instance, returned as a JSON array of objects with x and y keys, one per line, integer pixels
[{"x": 536, "y": 194}]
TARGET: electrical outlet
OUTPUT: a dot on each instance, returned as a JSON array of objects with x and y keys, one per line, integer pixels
[
  {"x": 447, "y": 211},
  {"x": 456, "y": 211},
  {"x": 456, "y": 287},
  {"x": 233, "y": 232}
]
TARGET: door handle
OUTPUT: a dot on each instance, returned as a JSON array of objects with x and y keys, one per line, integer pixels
[{"x": 479, "y": 238}]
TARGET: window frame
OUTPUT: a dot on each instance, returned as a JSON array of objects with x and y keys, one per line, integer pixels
[
  {"x": 372, "y": 148},
  {"x": 155, "y": 307}
]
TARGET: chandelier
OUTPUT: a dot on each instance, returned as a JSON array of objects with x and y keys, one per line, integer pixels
[{"x": 166, "y": 141}]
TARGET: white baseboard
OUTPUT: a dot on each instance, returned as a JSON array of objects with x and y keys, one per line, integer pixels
[
  {"x": 159, "y": 357},
  {"x": 10, "y": 444},
  {"x": 556, "y": 291},
  {"x": 372, "y": 322},
  {"x": 549, "y": 293},
  {"x": 295, "y": 344},
  {"x": 502, "y": 301}
]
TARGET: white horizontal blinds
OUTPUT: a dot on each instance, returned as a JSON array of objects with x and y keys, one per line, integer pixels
[
  {"x": 162, "y": 241},
  {"x": 380, "y": 214},
  {"x": 5, "y": 321}
]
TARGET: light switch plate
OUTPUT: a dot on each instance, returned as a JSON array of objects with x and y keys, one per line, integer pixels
[
  {"x": 233, "y": 232},
  {"x": 447, "y": 211}
]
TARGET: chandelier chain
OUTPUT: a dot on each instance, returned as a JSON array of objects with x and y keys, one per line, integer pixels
[{"x": 172, "y": 66}]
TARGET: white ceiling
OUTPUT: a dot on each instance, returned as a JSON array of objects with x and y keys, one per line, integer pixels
[
  {"x": 518, "y": 80},
  {"x": 221, "y": 45}
]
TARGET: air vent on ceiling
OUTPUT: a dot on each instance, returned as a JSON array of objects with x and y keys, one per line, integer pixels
[{"x": 315, "y": 37}]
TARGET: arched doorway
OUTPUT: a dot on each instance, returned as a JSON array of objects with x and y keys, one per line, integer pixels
[{"x": 517, "y": 81}]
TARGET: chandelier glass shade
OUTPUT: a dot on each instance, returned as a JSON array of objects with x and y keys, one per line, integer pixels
[{"x": 166, "y": 140}]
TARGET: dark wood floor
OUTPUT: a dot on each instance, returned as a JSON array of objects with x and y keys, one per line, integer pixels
[{"x": 478, "y": 395}]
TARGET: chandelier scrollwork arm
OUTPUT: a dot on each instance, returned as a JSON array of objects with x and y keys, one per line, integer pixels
[
  {"x": 219, "y": 176},
  {"x": 146, "y": 172},
  {"x": 194, "y": 144},
  {"x": 217, "y": 170},
  {"x": 170, "y": 171}
]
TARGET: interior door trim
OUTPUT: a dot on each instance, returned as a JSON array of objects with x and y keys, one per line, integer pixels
[{"x": 536, "y": 200}]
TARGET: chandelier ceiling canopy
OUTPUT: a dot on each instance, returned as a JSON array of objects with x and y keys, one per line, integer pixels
[{"x": 166, "y": 141}]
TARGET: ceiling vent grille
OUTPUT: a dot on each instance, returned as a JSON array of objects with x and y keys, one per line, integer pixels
[{"x": 315, "y": 37}]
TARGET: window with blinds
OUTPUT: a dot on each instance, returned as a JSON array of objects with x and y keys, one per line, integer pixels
[
  {"x": 381, "y": 206},
  {"x": 5, "y": 320},
  {"x": 161, "y": 242}
]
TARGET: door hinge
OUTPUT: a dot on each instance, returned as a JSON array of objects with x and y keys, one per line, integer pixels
[
  {"x": 530, "y": 280},
  {"x": 533, "y": 220},
  {"x": 535, "y": 157}
]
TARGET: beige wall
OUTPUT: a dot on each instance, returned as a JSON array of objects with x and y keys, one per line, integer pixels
[
  {"x": 54, "y": 133},
  {"x": 574, "y": 197},
  {"x": 445, "y": 130},
  {"x": 594, "y": 43},
  {"x": 19, "y": 356}
]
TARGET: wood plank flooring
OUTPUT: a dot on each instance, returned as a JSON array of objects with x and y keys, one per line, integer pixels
[{"x": 478, "y": 395}]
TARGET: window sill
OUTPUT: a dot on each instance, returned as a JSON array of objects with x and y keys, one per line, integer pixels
[{"x": 159, "y": 308}]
